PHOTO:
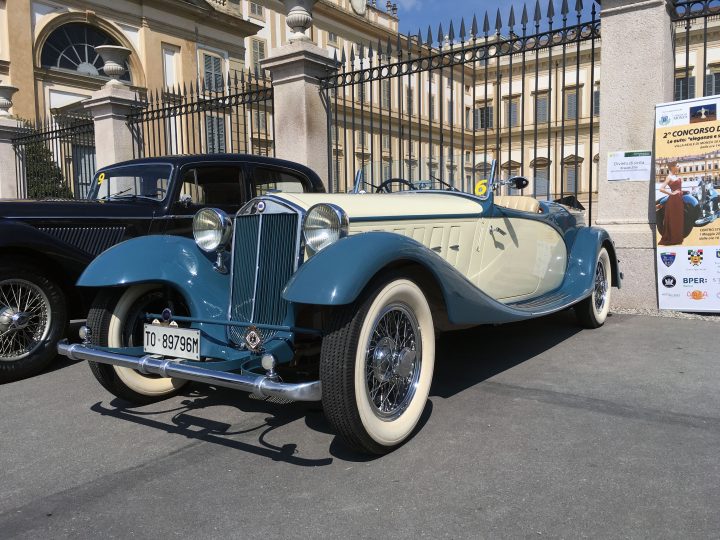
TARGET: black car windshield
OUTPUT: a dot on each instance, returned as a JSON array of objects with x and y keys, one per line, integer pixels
[{"x": 147, "y": 181}]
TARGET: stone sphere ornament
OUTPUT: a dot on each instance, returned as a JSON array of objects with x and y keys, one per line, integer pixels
[
  {"x": 114, "y": 58},
  {"x": 6, "y": 94}
]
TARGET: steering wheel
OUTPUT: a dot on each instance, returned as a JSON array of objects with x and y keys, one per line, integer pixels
[{"x": 385, "y": 186}]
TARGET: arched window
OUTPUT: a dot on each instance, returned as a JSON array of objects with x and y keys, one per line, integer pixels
[{"x": 71, "y": 47}]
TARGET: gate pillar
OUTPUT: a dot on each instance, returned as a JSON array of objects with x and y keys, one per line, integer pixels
[
  {"x": 9, "y": 129},
  {"x": 637, "y": 74}
]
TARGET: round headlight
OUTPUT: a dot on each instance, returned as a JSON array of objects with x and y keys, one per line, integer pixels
[
  {"x": 324, "y": 224},
  {"x": 211, "y": 229}
]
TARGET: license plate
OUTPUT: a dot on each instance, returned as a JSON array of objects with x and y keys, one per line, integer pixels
[{"x": 171, "y": 341}]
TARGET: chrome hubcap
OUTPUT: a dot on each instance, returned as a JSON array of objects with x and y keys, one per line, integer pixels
[
  {"x": 392, "y": 361},
  {"x": 601, "y": 287},
  {"x": 24, "y": 318}
]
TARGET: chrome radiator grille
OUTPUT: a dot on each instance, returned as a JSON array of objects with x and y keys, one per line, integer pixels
[{"x": 264, "y": 256}]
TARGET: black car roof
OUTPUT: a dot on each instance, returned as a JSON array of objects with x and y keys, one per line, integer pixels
[{"x": 179, "y": 160}]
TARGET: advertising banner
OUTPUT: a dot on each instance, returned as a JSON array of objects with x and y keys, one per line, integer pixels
[{"x": 687, "y": 204}]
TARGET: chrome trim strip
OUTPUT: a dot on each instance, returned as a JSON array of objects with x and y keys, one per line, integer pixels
[
  {"x": 257, "y": 268},
  {"x": 415, "y": 217},
  {"x": 260, "y": 385}
]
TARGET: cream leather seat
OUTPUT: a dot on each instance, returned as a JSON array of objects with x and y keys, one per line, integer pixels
[{"x": 518, "y": 202}]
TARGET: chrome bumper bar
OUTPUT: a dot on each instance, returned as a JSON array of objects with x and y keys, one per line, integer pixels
[{"x": 259, "y": 385}]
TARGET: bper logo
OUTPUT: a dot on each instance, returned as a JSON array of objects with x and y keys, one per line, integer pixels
[
  {"x": 669, "y": 282},
  {"x": 694, "y": 280}
]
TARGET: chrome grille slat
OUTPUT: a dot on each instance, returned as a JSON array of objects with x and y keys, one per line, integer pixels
[{"x": 264, "y": 258}]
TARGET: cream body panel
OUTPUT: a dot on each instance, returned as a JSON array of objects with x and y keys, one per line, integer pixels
[
  {"x": 520, "y": 259},
  {"x": 454, "y": 240},
  {"x": 371, "y": 205}
]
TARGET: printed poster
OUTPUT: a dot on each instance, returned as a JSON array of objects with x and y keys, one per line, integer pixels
[{"x": 687, "y": 204}]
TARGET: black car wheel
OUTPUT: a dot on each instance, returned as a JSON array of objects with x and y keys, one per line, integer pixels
[{"x": 33, "y": 317}]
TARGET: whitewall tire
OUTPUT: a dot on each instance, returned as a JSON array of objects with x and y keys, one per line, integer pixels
[
  {"x": 593, "y": 311},
  {"x": 376, "y": 367},
  {"x": 112, "y": 319}
]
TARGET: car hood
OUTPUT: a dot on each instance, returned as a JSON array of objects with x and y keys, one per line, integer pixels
[
  {"x": 67, "y": 208},
  {"x": 389, "y": 205}
]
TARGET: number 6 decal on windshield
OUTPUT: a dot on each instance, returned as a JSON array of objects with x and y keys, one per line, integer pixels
[{"x": 481, "y": 188}]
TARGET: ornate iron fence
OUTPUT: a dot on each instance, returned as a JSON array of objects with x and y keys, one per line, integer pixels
[
  {"x": 522, "y": 92},
  {"x": 233, "y": 114},
  {"x": 56, "y": 158},
  {"x": 697, "y": 59}
]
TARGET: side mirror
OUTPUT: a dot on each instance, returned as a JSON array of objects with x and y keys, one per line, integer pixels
[{"x": 518, "y": 182}]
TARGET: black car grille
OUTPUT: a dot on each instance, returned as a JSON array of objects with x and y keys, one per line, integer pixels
[
  {"x": 264, "y": 258},
  {"x": 92, "y": 240}
]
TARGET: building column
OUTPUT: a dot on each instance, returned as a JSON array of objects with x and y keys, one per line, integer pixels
[
  {"x": 9, "y": 129},
  {"x": 637, "y": 74},
  {"x": 109, "y": 107},
  {"x": 301, "y": 130}
]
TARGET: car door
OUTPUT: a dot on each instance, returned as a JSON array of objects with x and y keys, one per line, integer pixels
[
  {"x": 522, "y": 257},
  {"x": 216, "y": 185}
]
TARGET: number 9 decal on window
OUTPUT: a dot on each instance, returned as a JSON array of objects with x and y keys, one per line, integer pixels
[
  {"x": 101, "y": 178},
  {"x": 481, "y": 188}
]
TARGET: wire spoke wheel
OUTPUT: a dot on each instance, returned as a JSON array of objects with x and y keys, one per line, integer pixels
[
  {"x": 25, "y": 318},
  {"x": 393, "y": 361},
  {"x": 601, "y": 286}
]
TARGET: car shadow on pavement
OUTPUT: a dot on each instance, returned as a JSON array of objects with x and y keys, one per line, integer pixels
[
  {"x": 467, "y": 357},
  {"x": 464, "y": 359},
  {"x": 195, "y": 427}
]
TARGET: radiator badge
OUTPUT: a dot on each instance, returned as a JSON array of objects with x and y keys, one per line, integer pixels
[{"x": 253, "y": 339}]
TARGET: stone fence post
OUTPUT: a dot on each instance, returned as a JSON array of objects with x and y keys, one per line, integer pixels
[
  {"x": 109, "y": 108},
  {"x": 10, "y": 128},
  {"x": 637, "y": 74},
  {"x": 301, "y": 130}
]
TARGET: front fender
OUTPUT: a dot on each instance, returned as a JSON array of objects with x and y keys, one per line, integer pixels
[{"x": 171, "y": 260}]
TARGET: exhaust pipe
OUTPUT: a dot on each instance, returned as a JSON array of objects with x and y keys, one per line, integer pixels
[{"x": 259, "y": 385}]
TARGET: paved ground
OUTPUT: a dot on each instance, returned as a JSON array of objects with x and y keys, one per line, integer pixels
[{"x": 533, "y": 430}]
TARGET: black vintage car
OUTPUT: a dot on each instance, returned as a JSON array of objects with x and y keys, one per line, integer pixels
[{"x": 45, "y": 245}]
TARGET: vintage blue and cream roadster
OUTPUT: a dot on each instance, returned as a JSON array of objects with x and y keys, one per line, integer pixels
[{"x": 336, "y": 297}]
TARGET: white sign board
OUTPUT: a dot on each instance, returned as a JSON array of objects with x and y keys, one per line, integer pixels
[{"x": 633, "y": 166}]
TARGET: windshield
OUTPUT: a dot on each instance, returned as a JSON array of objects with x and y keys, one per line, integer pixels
[{"x": 147, "y": 181}]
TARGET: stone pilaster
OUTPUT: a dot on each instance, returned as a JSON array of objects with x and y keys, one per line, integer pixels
[
  {"x": 637, "y": 74},
  {"x": 301, "y": 132},
  {"x": 9, "y": 129},
  {"x": 109, "y": 108}
]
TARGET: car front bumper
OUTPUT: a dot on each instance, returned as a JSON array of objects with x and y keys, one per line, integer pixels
[{"x": 260, "y": 385}]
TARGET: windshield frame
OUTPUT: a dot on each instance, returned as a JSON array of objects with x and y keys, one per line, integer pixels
[{"x": 94, "y": 187}]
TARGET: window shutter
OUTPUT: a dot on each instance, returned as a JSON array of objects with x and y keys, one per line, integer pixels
[
  {"x": 542, "y": 108},
  {"x": 570, "y": 180},
  {"x": 542, "y": 186},
  {"x": 596, "y": 103},
  {"x": 571, "y": 107},
  {"x": 691, "y": 88}
]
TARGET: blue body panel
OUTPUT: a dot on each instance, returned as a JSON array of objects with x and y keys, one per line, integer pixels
[
  {"x": 338, "y": 274},
  {"x": 174, "y": 261}
]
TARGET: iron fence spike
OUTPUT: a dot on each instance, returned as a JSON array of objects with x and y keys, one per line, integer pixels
[
  {"x": 564, "y": 9},
  {"x": 551, "y": 10},
  {"x": 429, "y": 40},
  {"x": 578, "y": 7},
  {"x": 486, "y": 24},
  {"x": 538, "y": 12},
  {"x": 440, "y": 35},
  {"x": 498, "y": 22},
  {"x": 451, "y": 33},
  {"x": 511, "y": 18},
  {"x": 524, "y": 18},
  {"x": 462, "y": 29},
  {"x": 474, "y": 27}
]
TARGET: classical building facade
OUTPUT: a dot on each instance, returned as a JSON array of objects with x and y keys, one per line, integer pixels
[{"x": 539, "y": 118}]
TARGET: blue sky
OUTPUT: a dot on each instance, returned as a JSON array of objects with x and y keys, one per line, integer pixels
[{"x": 416, "y": 14}]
